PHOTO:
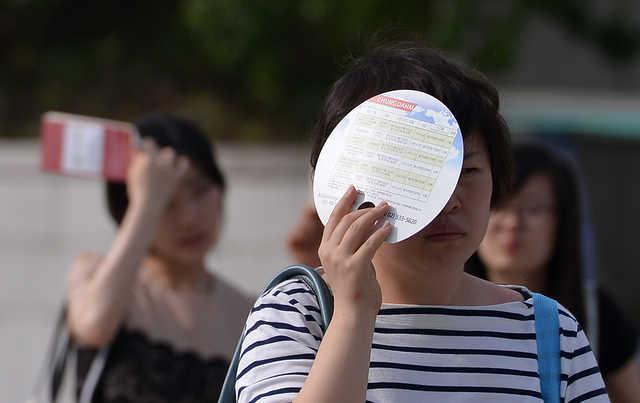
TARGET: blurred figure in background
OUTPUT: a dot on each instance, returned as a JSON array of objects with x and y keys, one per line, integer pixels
[
  {"x": 533, "y": 239},
  {"x": 171, "y": 325},
  {"x": 304, "y": 238}
]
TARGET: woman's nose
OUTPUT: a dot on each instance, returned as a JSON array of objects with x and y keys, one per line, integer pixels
[
  {"x": 511, "y": 219},
  {"x": 187, "y": 213},
  {"x": 452, "y": 205}
]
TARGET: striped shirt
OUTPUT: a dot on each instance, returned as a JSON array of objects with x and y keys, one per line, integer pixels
[{"x": 419, "y": 353}]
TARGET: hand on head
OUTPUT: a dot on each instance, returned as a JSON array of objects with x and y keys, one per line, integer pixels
[{"x": 154, "y": 174}]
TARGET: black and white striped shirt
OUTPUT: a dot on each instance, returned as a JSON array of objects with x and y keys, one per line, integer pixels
[{"x": 419, "y": 353}]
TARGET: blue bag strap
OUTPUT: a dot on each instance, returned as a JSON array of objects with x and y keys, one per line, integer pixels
[
  {"x": 548, "y": 346},
  {"x": 325, "y": 301}
]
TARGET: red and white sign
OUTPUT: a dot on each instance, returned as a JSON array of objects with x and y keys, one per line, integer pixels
[{"x": 86, "y": 147}]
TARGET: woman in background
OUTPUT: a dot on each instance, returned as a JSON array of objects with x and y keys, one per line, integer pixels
[
  {"x": 303, "y": 240},
  {"x": 533, "y": 239},
  {"x": 170, "y": 324}
]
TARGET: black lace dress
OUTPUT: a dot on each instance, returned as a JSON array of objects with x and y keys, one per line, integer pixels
[
  {"x": 143, "y": 371},
  {"x": 174, "y": 346}
]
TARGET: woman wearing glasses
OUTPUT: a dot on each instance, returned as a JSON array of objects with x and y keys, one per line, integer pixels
[{"x": 533, "y": 239}]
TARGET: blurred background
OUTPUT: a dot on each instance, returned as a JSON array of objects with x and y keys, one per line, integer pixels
[{"x": 253, "y": 74}]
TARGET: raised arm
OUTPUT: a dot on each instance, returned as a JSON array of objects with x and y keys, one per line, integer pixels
[
  {"x": 349, "y": 242},
  {"x": 304, "y": 238},
  {"x": 280, "y": 361},
  {"x": 100, "y": 288}
]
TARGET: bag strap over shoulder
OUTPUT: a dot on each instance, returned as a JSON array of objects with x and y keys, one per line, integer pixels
[
  {"x": 51, "y": 376},
  {"x": 314, "y": 280},
  {"x": 546, "y": 322},
  {"x": 325, "y": 302},
  {"x": 548, "y": 346}
]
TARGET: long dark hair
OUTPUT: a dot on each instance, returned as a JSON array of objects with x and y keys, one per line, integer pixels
[{"x": 563, "y": 275}]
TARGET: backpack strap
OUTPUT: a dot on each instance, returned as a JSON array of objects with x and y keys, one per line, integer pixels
[
  {"x": 548, "y": 346},
  {"x": 325, "y": 301}
]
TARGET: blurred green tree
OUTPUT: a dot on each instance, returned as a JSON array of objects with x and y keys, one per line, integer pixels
[{"x": 245, "y": 69}]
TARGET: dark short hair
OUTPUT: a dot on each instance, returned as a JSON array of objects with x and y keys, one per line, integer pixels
[
  {"x": 411, "y": 66},
  {"x": 563, "y": 271},
  {"x": 179, "y": 134}
]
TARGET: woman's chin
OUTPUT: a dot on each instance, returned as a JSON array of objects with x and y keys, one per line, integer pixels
[{"x": 186, "y": 258}]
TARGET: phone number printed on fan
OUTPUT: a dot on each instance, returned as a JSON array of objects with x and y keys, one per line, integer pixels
[{"x": 402, "y": 218}]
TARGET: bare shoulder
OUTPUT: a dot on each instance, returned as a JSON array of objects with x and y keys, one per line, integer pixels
[{"x": 488, "y": 293}]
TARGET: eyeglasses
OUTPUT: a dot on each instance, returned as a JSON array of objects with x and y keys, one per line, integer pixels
[{"x": 531, "y": 213}]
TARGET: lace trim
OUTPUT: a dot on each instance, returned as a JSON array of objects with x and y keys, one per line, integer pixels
[{"x": 141, "y": 370}]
